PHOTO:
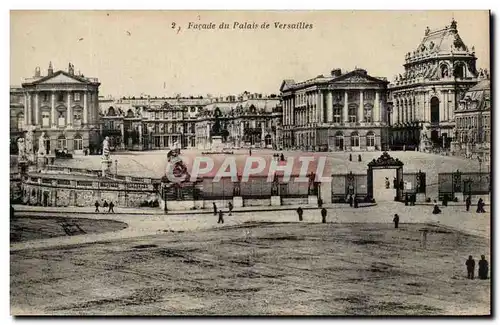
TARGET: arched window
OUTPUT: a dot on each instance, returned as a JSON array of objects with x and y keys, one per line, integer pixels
[
  {"x": 78, "y": 142},
  {"x": 337, "y": 114},
  {"x": 45, "y": 119},
  {"x": 352, "y": 112},
  {"x": 61, "y": 119},
  {"x": 268, "y": 139},
  {"x": 459, "y": 70},
  {"x": 130, "y": 114},
  {"x": 434, "y": 110},
  {"x": 20, "y": 121},
  {"x": 61, "y": 142},
  {"x": 111, "y": 111},
  {"x": 354, "y": 139},
  {"x": 444, "y": 71},
  {"x": 339, "y": 140},
  {"x": 370, "y": 139}
]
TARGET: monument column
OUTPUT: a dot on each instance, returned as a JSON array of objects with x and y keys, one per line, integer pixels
[
  {"x": 53, "y": 109},
  {"x": 361, "y": 106},
  {"x": 329, "y": 106},
  {"x": 26, "y": 99},
  {"x": 85, "y": 108},
  {"x": 37, "y": 109},
  {"x": 345, "y": 110},
  {"x": 69, "y": 111},
  {"x": 376, "y": 107}
]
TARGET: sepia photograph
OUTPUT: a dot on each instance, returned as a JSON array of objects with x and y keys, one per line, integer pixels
[{"x": 250, "y": 163}]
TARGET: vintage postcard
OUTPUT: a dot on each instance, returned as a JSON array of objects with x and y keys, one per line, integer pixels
[{"x": 246, "y": 163}]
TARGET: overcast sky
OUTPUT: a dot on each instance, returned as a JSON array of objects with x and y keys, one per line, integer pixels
[{"x": 138, "y": 51}]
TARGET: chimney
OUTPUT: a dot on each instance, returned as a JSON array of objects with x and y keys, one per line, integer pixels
[
  {"x": 336, "y": 73},
  {"x": 37, "y": 72},
  {"x": 50, "y": 71}
]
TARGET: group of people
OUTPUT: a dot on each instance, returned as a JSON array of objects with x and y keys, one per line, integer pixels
[
  {"x": 350, "y": 157},
  {"x": 353, "y": 201},
  {"x": 482, "y": 270},
  {"x": 468, "y": 203},
  {"x": 105, "y": 205},
  {"x": 279, "y": 157},
  {"x": 220, "y": 213}
]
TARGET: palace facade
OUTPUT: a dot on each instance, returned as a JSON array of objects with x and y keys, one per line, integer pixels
[
  {"x": 62, "y": 104},
  {"x": 437, "y": 75},
  {"x": 249, "y": 120},
  {"x": 342, "y": 111}
]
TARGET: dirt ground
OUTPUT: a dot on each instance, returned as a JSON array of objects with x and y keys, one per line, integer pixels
[
  {"x": 31, "y": 228},
  {"x": 257, "y": 269}
]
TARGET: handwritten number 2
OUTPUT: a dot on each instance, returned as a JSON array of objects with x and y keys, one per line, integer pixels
[{"x": 173, "y": 25}]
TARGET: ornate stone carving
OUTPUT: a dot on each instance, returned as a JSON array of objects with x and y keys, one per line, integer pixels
[
  {"x": 21, "y": 149},
  {"x": 385, "y": 160}
]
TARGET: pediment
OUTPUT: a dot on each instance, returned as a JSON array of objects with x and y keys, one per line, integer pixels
[
  {"x": 357, "y": 79},
  {"x": 61, "y": 79}
]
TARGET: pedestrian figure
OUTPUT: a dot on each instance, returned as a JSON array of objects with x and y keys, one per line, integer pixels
[
  {"x": 350, "y": 157},
  {"x": 351, "y": 201},
  {"x": 471, "y": 264},
  {"x": 250, "y": 151},
  {"x": 97, "y": 206},
  {"x": 230, "y": 206},
  {"x": 300, "y": 212},
  {"x": 320, "y": 203},
  {"x": 436, "y": 209},
  {"x": 215, "y": 208},
  {"x": 221, "y": 217},
  {"x": 480, "y": 206},
  {"x": 445, "y": 200},
  {"x": 111, "y": 206},
  {"x": 356, "y": 202},
  {"x": 468, "y": 203},
  {"x": 396, "y": 221},
  {"x": 483, "y": 268},
  {"x": 387, "y": 183},
  {"x": 105, "y": 205},
  {"x": 359, "y": 157},
  {"x": 406, "y": 199},
  {"x": 323, "y": 215},
  {"x": 282, "y": 157},
  {"x": 413, "y": 199}
]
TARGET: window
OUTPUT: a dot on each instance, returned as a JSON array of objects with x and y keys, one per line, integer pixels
[
  {"x": 61, "y": 142},
  {"x": 111, "y": 125},
  {"x": 352, "y": 113},
  {"x": 76, "y": 97},
  {"x": 61, "y": 120},
  {"x": 369, "y": 95},
  {"x": 20, "y": 121},
  {"x": 45, "y": 97},
  {"x": 78, "y": 143},
  {"x": 368, "y": 113},
  {"x": 370, "y": 139},
  {"x": 337, "y": 114},
  {"x": 339, "y": 140},
  {"x": 60, "y": 97},
  {"x": 77, "y": 118},
  {"x": 354, "y": 139},
  {"x": 45, "y": 119}
]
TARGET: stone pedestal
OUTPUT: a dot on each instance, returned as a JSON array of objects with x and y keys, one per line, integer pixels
[
  {"x": 312, "y": 200},
  {"x": 237, "y": 201},
  {"x": 105, "y": 166},
  {"x": 217, "y": 145},
  {"x": 275, "y": 201}
]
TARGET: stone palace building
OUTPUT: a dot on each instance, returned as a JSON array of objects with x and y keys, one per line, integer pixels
[
  {"x": 63, "y": 104},
  {"x": 437, "y": 75},
  {"x": 342, "y": 111}
]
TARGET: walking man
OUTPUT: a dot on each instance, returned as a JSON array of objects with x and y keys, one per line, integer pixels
[
  {"x": 221, "y": 217},
  {"x": 111, "y": 206},
  {"x": 215, "y": 209},
  {"x": 396, "y": 221},
  {"x": 105, "y": 204},
  {"x": 300, "y": 212},
  {"x": 97, "y": 206},
  {"x": 471, "y": 264},
  {"x": 468, "y": 203},
  {"x": 323, "y": 215},
  {"x": 230, "y": 206}
]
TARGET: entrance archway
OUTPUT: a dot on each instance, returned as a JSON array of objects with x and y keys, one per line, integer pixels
[
  {"x": 434, "y": 110},
  {"x": 385, "y": 161}
]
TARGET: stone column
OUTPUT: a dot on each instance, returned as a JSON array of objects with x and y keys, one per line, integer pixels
[
  {"x": 69, "y": 111},
  {"x": 345, "y": 111},
  {"x": 395, "y": 113},
  {"x": 329, "y": 106},
  {"x": 140, "y": 135},
  {"x": 122, "y": 131},
  {"x": 53, "y": 112},
  {"x": 85, "y": 108},
  {"x": 376, "y": 108},
  {"x": 452, "y": 105},
  {"x": 262, "y": 133},
  {"x": 37, "y": 109},
  {"x": 26, "y": 100},
  {"x": 361, "y": 107},
  {"x": 321, "y": 117},
  {"x": 30, "y": 119}
]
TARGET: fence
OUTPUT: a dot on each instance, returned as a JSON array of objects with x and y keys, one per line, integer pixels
[
  {"x": 344, "y": 185},
  {"x": 414, "y": 183},
  {"x": 470, "y": 183}
]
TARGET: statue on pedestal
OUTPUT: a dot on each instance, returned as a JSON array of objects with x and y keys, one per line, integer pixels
[
  {"x": 21, "y": 150},
  {"x": 106, "y": 159},
  {"x": 29, "y": 145},
  {"x": 42, "y": 151}
]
